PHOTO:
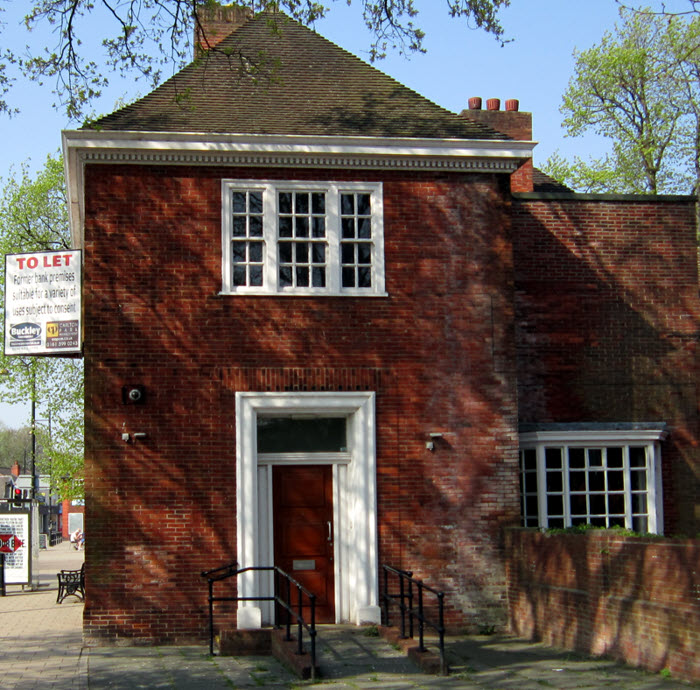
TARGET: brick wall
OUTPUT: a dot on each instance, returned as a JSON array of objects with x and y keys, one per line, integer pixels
[
  {"x": 607, "y": 317},
  {"x": 438, "y": 351},
  {"x": 518, "y": 126},
  {"x": 602, "y": 593},
  {"x": 216, "y": 23},
  {"x": 66, "y": 509}
]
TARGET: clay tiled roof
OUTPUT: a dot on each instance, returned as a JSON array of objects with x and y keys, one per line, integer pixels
[
  {"x": 275, "y": 76},
  {"x": 544, "y": 183}
]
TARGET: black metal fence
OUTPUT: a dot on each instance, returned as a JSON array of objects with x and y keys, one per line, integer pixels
[
  {"x": 293, "y": 610},
  {"x": 410, "y": 599}
]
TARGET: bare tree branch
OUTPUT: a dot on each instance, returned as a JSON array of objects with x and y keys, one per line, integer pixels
[{"x": 144, "y": 38}]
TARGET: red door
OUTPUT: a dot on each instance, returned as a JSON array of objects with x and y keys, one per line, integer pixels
[{"x": 303, "y": 530}]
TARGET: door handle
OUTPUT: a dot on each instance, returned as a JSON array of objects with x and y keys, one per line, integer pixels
[{"x": 330, "y": 531}]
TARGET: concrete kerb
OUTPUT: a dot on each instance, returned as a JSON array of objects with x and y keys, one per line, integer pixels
[{"x": 41, "y": 646}]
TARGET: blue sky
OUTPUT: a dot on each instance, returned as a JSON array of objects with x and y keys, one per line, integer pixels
[{"x": 534, "y": 67}]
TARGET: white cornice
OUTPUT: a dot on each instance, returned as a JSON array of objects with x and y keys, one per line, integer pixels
[
  {"x": 594, "y": 437},
  {"x": 380, "y": 153}
]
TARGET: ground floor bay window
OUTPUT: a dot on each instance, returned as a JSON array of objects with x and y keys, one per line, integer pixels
[{"x": 604, "y": 475}]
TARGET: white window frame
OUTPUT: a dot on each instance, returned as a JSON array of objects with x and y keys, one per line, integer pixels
[
  {"x": 333, "y": 190},
  {"x": 594, "y": 439}
]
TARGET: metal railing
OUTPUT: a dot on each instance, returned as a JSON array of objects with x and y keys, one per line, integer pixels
[
  {"x": 283, "y": 581},
  {"x": 405, "y": 598}
]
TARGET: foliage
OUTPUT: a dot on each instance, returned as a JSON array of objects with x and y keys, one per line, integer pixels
[
  {"x": 34, "y": 211},
  {"x": 15, "y": 446},
  {"x": 639, "y": 89},
  {"x": 371, "y": 631},
  {"x": 586, "y": 528},
  {"x": 595, "y": 177},
  {"x": 33, "y": 217},
  {"x": 691, "y": 7},
  {"x": 142, "y": 37}
]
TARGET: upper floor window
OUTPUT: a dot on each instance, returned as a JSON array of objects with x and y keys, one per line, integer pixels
[
  {"x": 605, "y": 479},
  {"x": 316, "y": 238}
]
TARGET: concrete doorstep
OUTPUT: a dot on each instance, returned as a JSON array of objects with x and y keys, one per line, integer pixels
[
  {"x": 269, "y": 642},
  {"x": 428, "y": 660},
  {"x": 273, "y": 642}
]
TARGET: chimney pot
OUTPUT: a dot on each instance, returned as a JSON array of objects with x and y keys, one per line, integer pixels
[
  {"x": 475, "y": 103},
  {"x": 493, "y": 104},
  {"x": 512, "y": 105}
]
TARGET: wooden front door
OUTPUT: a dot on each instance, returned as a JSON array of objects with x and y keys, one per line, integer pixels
[{"x": 303, "y": 530}]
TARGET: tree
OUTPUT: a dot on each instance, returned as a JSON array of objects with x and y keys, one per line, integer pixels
[
  {"x": 33, "y": 217},
  {"x": 15, "y": 446},
  {"x": 141, "y": 37},
  {"x": 687, "y": 54},
  {"x": 636, "y": 88},
  {"x": 690, "y": 7}
]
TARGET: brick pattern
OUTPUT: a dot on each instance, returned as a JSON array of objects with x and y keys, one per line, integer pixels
[
  {"x": 66, "y": 510},
  {"x": 216, "y": 24},
  {"x": 607, "y": 316},
  {"x": 601, "y": 593},
  {"x": 518, "y": 126},
  {"x": 438, "y": 351}
]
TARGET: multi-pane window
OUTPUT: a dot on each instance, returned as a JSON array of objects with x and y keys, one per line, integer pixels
[
  {"x": 247, "y": 245},
  {"x": 303, "y": 238},
  {"x": 356, "y": 240},
  {"x": 577, "y": 482}
]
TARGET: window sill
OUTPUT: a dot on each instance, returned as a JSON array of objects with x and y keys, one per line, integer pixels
[{"x": 264, "y": 293}]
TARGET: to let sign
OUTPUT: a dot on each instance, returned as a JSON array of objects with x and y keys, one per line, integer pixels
[{"x": 42, "y": 303}]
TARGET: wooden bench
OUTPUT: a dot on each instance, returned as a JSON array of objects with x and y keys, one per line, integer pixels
[{"x": 71, "y": 582}]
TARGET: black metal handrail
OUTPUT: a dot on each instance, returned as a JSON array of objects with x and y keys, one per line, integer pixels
[
  {"x": 405, "y": 598},
  {"x": 286, "y": 603}
]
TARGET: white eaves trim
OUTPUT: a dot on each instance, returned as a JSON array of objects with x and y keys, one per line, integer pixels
[{"x": 180, "y": 148}]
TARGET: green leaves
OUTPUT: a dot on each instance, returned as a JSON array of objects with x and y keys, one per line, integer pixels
[
  {"x": 638, "y": 89},
  {"x": 33, "y": 217},
  {"x": 33, "y": 211}
]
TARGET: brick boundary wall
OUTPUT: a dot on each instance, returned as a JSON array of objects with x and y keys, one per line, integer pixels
[{"x": 601, "y": 593}]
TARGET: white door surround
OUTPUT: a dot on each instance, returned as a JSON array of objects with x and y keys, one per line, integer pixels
[{"x": 354, "y": 498}]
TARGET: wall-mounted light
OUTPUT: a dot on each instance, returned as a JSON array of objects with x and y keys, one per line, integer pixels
[{"x": 433, "y": 436}]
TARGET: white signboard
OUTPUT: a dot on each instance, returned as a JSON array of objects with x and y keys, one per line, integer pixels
[
  {"x": 42, "y": 303},
  {"x": 17, "y": 563}
]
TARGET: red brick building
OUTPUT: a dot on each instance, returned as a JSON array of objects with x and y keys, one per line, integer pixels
[{"x": 309, "y": 290}]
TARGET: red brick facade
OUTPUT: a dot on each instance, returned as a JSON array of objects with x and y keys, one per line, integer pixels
[
  {"x": 607, "y": 314},
  {"x": 438, "y": 351},
  {"x": 589, "y": 306},
  {"x": 502, "y": 307}
]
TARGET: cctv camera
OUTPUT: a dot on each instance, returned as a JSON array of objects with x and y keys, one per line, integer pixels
[{"x": 133, "y": 395}]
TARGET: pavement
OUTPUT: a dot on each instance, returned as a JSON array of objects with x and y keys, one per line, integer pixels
[{"x": 41, "y": 647}]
